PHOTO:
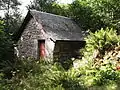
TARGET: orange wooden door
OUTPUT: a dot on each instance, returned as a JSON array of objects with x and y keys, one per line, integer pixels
[{"x": 42, "y": 49}]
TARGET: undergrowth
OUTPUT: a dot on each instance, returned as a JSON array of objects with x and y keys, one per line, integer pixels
[{"x": 99, "y": 68}]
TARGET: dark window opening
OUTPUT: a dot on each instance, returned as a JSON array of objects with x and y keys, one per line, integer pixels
[
  {"x": 68, "y": 49},
  {"x": 64, "y": 51}
]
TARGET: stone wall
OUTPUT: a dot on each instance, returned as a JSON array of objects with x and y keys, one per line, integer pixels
[{"x": 28, "y": 43}]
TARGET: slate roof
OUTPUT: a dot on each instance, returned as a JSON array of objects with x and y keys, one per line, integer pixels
[{"x": 57, "y": 27}]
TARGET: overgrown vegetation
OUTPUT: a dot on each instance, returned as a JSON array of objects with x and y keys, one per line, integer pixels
[
  {"x": 6, "y": 47},
  {"x": 98, "y": 69},
  {"x": 101, "y": 59}
]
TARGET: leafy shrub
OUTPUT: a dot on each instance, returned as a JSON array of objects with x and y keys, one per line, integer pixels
[
  {"x": 102, "y": 39},
  {"x": 6, "y": 47},
  {"x": 1, "y": 86},
  {"x": 69, "y": 80},
  {"x": 33, "y": 74},
  {"x": 101, "y": 60},
  {"x": 100, "y": 42}
]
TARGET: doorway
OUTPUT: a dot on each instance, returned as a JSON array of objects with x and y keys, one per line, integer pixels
[{"x": 41, "y": 49}]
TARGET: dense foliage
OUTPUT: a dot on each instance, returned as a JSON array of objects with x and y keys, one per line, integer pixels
[
  {"x": 11, "y": 15},
  {"x": 31, "y": 74},
  {"x": 101, "y": 59},
  {"x": 6, "y": 47},
  {"x": 96, "y": 14},
  {"x": 98, "y": 68}
]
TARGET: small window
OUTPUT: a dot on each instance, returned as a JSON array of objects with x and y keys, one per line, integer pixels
[{"x": 41, "y": 45}]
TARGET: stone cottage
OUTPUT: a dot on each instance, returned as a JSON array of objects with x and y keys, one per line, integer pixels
[{"x": 47, "y": 35}]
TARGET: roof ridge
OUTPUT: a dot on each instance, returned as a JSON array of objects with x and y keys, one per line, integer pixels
[{"x": 41, "y": 12}]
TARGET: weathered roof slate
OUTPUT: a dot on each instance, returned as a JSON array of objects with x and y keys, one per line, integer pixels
[{"x": 56, "y": 27}]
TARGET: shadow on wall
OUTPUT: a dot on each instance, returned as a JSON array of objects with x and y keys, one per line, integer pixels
[{"x": 65, "y": 50}]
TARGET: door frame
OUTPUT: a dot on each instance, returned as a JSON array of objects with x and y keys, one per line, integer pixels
[{"x": 39, "y": 52}]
